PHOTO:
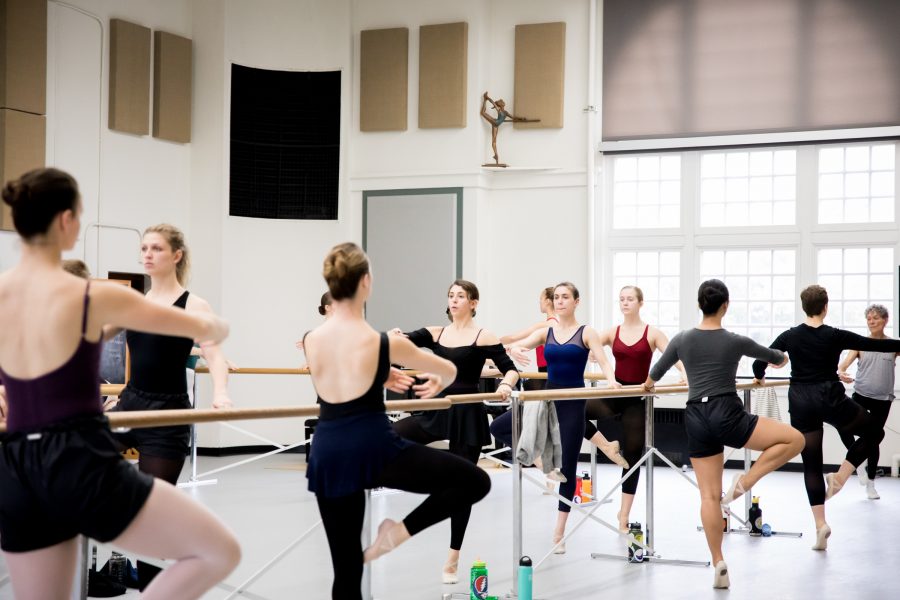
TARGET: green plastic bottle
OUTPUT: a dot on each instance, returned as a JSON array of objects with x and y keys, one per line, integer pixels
[{"x": 478, "y": 581}]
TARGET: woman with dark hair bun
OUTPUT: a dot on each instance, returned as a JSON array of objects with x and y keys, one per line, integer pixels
[
  {"x": 465, "y": 426},
  {"x": 61, "y": 474},
  {"x": 715, "y": 417},
  {"x": 354, "y": 447}
]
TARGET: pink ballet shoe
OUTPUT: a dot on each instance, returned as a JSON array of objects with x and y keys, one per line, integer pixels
[
  {"x": 383, "y": 543},
  {"x": 720, "y": 579},
  {"x": 735, "y": 491},
  {"x": 833, "y": 487},
  {"x": 613, "y": 452},
  {"x": 822, "y": 535}
]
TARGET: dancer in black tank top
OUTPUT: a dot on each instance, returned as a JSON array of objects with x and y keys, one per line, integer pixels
[
  {"x": 465, "y": 426},
  {"x": 355, "y": 447},
  {"x": 158, "y": 377}
]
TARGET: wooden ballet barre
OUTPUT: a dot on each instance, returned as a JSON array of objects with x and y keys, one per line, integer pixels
[
  {"x": 627, "y": 391},
  {"x": 189, "y": 416},
  {"x": 111, "y": 389},
  {"x": 260, "y": 371}
]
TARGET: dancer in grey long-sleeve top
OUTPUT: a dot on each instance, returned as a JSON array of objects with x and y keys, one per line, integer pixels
[{"x": 715, "y": 415}]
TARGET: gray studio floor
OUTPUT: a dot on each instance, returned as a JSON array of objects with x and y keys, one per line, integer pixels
[{"x": 267, "y": 505}]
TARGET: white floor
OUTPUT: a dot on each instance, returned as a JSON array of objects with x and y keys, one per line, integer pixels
[{"x": 268, "y": 506}]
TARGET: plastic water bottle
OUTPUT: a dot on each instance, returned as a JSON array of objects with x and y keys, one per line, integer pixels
[
  {"x": 587, "y": 488},
  {"x": 478, "y": 581},
  {"x": 635, "y": 551},
  {"x": 526, "y": 573}
]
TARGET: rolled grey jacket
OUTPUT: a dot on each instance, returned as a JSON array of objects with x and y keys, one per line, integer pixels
[{"x": 540, "y": 436}]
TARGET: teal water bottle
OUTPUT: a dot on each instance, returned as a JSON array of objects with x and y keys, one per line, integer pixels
[{"x": 525, "y": 578}]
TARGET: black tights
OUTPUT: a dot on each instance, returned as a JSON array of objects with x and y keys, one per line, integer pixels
[
  {"x": 167, "y": 469},
  {"x": 450, "y": 481},
  {"x": 858, "y": 423},
  {"x": 410, "y": 429},
  {"x": 634, "y": 425},
  {"x": 879, "y": 411}
]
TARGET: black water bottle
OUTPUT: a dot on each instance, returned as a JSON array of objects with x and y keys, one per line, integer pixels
[{"x": 755, "y": 515}]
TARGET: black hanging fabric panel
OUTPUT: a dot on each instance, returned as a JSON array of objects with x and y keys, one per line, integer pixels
[{"x": 285, "y": 143}]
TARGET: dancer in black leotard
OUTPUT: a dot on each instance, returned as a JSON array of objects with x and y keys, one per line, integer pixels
[
  {"x": 816, "y": 396},
  {"x": 60, "y": 471},
  {"x": 566, "y": 349},
  {"x": 158, "y": 378},
  {"x": 465, "y": 426},
  {"x": 355, "y": 447}
]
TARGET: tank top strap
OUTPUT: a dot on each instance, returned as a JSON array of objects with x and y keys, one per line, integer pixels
[
  {"x": 477, "y": 335},
  {"x": 84, "y": 308},
  {"x": 551, "y": 338},
  {"x": 440, "y": 334},
  {"x": 618, "y": 327},
  {"x": 384, "y": 359},
  {"x": 646, "y": 333},
  {"x": 182, "y": 300},
  {"x": 578, "y": 338}
]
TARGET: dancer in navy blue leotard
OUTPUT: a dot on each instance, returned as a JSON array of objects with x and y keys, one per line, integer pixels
[
  {"x": 355, "y": 447},
  {"x": 60, "y": 471},
  {"x": 566, "y": 349}
]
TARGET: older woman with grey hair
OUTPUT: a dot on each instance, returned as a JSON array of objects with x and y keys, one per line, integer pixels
[{"x": 873, "y": 389}]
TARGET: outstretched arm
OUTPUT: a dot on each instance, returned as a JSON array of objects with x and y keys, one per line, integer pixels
[
  {"x": 845, "y": 364},
  {"x": 659, "y": 341},
  {"x": 595, "y": 344},
  {"x": 512, "y": 338},
  {"x": 519, "y": 351},
  {"x": 215, "y": 359},
  {"x": 437, "y": 372}
]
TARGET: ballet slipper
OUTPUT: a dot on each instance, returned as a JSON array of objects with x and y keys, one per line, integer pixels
[
  {"x": 822, "y": 535},
  {"x": 450, "y": 573},
  {"x": 613, "y": 452},
  {"x": 384, "y": 542},
  {"x": 833, "y": 486},
  {"x": 560, "y": 545},
  {"x": 862, "y": 475},
  {"x": 735, "y": 491},
  {"x": 556, "y": 475},
  {"x": 720, "y": 580},
  {"x": 871, "y": 492}
]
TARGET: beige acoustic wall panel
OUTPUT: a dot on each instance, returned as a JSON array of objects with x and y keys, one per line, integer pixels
[
  {"x": 129, "y": 77},
  {"x": 23, "y": 55},
  {"x": 383, "y": 79},
  {"x": 172, "y": 74},
  {"x": 540, "y": 74},
  {"x": 443, "y": 60},
  {"x": 22, "y": 148}
]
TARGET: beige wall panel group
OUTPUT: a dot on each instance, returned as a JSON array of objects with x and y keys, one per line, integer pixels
[
  {"x": 443, "y": 60},
  {"x": 383, "y": 79},
  {"x": 540, "y": 74},
  {"x": 129, "y": 77},
  {"x": 172, "y": 75},
  {"x": 22, "y": 148},
  {"x": 23, "y": 55}
]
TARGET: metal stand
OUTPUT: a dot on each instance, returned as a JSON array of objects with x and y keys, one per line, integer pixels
[
  {"x": 80, "y": 583},
  {"x": 650, "y": 555},
  {"x": 194, "y": 481}
]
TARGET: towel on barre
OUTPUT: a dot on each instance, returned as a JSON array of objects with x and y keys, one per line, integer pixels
[{"x": 540, "y": 436}]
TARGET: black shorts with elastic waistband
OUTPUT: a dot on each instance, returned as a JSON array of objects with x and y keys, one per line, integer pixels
[
  {"x": 65, "y": 480},
  {"x": 812, "y": 404},
  {"x": 171, "y": 441},
  {"x": 715, "y": 422}
]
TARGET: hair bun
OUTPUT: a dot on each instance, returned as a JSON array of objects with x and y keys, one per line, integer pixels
[{"x": 13, "y": 192}]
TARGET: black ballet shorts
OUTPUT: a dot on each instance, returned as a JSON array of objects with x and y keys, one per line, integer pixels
[
  {"x": 812, "y": 404},
  {"x": 66, "y": 480},
  {"x": 172, "y": 441},
  {"x": 720, "y": 421}
]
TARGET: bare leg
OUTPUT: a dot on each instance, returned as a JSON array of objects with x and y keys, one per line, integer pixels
[
  {"x": 44, "y": 574},
  {"x": 709, "y": 478},
  {"x": 560, "y": 531},
  {"x": 494, "y": 129},
  {"x": 778, "y": 442},
  {"x": 172, "y": 525}
]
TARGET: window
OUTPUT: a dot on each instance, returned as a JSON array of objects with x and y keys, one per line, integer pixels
[
  {"x": 748, "y": 188},
  {"x": 855, "y": 278},
  {"x": 856, "y": 184},
  {"x": 646, "y": 191},
  {"x": 657, "y": 274}
]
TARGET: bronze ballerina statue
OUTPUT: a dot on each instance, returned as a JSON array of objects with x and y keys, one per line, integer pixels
[{"x": 502, "y": 116}]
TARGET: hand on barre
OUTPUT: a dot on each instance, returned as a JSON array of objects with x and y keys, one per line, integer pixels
[
  {"x": 398, "y": 381},
  {"x": 649, "y": 386},
  {"x": 431, "y": 386}
]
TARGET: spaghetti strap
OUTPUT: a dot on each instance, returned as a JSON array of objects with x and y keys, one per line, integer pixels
[
  {"x": 84, "y": 315},
  {"x": 477, "y": 335},
  {"x": 617, "y": 332},
  {"x": 646, "y": 331},
  {"x": 439, "y": 336}
]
